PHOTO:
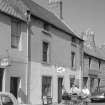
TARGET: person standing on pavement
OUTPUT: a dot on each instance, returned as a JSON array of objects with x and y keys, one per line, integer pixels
[
  {"x": 86, "y": 94},
  {"x": 75, "y": 89},
  {"x": 86, "y": 91}
]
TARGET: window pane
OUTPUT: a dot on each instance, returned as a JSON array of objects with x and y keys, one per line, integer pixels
[
  {"x": 15, "y": 33},
  {"x": 71, "y": 81},
  {"x": 46, "y": 86},
  {"x": 45, "y": 51},
  {"x": 72, "y": 59},
  {"x": 14, "y": 27},
  {"x": 14, "y": 41}
]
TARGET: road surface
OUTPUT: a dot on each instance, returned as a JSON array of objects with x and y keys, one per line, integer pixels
[{"x": 97, "y": 103}]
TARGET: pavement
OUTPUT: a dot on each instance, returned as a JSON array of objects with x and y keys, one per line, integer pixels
[
  {"x": 89, "y": 103},
  {"x": 97, "y": 103}
]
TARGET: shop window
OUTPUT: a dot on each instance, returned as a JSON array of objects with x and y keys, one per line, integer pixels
[
  {"x": 85, "y": 81},
  {"x": 46, "y": 86},
  {"x": 72, "y": 79}
]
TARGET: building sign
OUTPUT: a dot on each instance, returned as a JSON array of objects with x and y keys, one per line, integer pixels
[
  {"x": 60, "y": 69},
  {"x": 4, "y": 62}
]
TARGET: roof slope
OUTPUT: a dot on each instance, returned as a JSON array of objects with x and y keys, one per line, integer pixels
[
  {"x": 18, "y": 8},
  {"x": 46, "y": 15},
  {"x": 5, "y": 7},
  {"x": 95, "y": 52}
]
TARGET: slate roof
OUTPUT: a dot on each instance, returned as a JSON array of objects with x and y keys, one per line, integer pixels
[
  {"x": 18, "y": 9},
  {"x": 95, "y": 52},
  {"x": 6, "y": 8}
]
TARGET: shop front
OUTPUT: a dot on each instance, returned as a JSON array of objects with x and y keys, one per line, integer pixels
[{"x": 93, "y": 80}]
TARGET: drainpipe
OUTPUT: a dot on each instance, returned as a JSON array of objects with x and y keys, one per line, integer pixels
[
  {"x": 28, "y": 70},
  {"x": 82, "y": 64}
]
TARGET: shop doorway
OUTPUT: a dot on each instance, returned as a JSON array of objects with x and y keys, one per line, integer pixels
[
  {"x": 91, "y": 85},
  {"x": 14, "y": 85},
  {"x": 60, "y": 81},
  {"x": 85, "y": 79},
  {"x": 1, "y": 78}
]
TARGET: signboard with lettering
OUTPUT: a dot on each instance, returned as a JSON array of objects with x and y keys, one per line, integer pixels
[
  {"x": 60, "y": 69},
  {"x": 4, "y": 62}
]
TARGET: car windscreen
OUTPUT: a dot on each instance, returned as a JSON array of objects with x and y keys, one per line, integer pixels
[{"x": 6, "y": 100}]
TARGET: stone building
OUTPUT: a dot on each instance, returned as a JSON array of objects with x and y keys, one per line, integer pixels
[
  {"x": 94, "y": 63},
  {"x": 39, "y": 53}
]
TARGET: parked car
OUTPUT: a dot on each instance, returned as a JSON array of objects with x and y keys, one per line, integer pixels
[
  {"x": 98, "y": 96},
  {"x": 7, "y": 99}
]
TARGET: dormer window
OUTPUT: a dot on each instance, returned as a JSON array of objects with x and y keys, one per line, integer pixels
[
  {"x": 73, "y": 39},
  {"x": 46, "y": 27},
  {"x": 73, "y": 43}
]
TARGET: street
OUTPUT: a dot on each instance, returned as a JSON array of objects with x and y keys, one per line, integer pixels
[{"x": 97, "y": 103}]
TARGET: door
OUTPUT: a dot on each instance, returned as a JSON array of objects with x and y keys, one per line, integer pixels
[
  {"x": 1, "y": 78},
  {"x": 92, "y": 85},
  {"x": 60, "y": 80},
  {"x": 14, "y": 85}
]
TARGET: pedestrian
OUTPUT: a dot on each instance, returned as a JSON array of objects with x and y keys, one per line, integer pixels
[
  {"x": 86, "y": 91},
  {"x": 86, "y": 94},
  {"x": 74, "y": 89}
]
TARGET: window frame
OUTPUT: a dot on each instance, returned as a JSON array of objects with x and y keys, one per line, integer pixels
[
  {"x": 72, "y": 80},
  {"x": 44, "y": 84},
  {"x": 15, "y": 34},
  {"x": 48, "y": 52},
  {"x": 73, "y": 60}
]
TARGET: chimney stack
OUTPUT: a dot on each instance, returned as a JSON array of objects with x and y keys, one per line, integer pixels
[{"x": 88, "y": 38}]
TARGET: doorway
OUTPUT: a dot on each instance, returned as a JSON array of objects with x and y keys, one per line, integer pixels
[
  {"x": 14, "y": 85},
  {"x": 60, "y": 81},
  {"x": 91, "y": 85},
  {"x": 1, "y": 78}
]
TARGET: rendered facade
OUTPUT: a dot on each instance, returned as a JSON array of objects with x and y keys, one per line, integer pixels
[{"x": 39, "y": 53}]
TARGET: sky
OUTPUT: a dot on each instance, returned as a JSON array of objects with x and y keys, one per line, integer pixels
[{"x": 81, "y": 15}]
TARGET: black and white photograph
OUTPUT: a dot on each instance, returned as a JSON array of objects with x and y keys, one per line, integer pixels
[{"x": 52, "y": 52}]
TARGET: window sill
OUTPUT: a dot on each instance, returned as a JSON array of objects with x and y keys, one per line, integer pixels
[
  {"x": 45, "y": 63},
  {"x": 46, "y": 32}
]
